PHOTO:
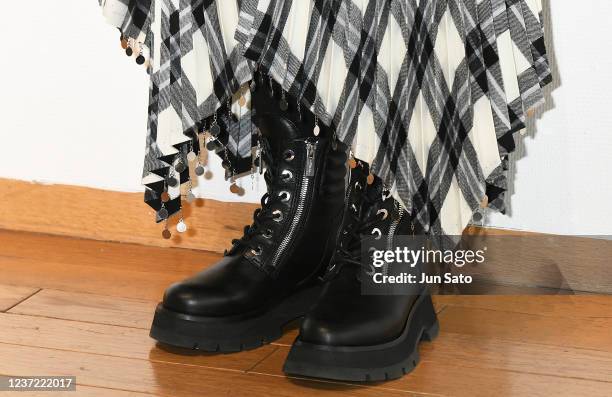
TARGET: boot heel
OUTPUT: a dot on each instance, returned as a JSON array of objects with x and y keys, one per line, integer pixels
[
  {"x": 431, "y": 326},
  {"x": 431, "y": 333}
]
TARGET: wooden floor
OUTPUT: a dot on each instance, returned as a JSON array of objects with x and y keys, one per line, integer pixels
[{"x": 83, "y": 308}]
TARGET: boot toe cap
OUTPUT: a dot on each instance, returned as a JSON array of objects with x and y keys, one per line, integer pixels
[
  {"x": 340, "y": 333},
  {"x": 227, "y": 288},
  {"x": 349, "y": 325},
  {"x": 191, "y": 299}
]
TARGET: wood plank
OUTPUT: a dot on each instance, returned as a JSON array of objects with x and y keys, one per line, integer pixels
[
  {"x": 585, "y": 333},
  {"x": 92, "y": 308},
  {"x": 166, "y": 379},
  {"x": 477, "y": 382},
  {"x": 101, "y": 309},
  {"x": 515, "y": 258},
  {"x": 458, "y": 376},
  {"x": 212, "y": 224},
  {"x": 549, "y": 305},
  {"x": 75, "y": 251},
  {"x": 11, "y": 295},
  {"x": 138, "y": 313},
  {"x": 492, "y": 353},
  {"x": 126, "y": 283},
  {"x": 539, "y": 260},
  {"x": 515, "y": 356},
  {"x": 481, "y": 287},
  {"x": 108, "y": 310},
  {"x": 81, "y": 391},
  {"x": 129, "y": 270},
  {"x": 514, "y": 345},
  {"x": 113, "y": 341}
]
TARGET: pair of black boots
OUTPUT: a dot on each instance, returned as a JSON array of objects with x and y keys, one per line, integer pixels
[{"x": 301, "y": 258}]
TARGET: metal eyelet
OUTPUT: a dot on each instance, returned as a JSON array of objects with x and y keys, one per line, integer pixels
[
  {"x": 278, "y": 215},
  {"x": 354, "y": 208},
  {"x": 286, "y": 195},
  {"x": 384, "y": 212},
  {"x": 267, "y": 234},
  {"x": 256, "y": 251},
  {"x": 358, "y": 186},
  {"x": 376, "y": 231},
  {"x": 287, "y": 175},
  {"x": 288, "y": 155}
]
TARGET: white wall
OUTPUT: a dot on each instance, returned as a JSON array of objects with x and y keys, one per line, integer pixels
[
  {"x": 68, "y": 97},
  {"x": 73, "y": 110},
  {"x": 563, "y": 182}
]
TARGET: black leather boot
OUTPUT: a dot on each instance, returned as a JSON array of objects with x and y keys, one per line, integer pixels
[
  {"x": 353, "y": 336},
  {"x": 271, "y": 275}
]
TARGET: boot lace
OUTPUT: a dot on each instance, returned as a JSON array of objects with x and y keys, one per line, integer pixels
[
  {"x": 357, "y": 231},
  {"x": 263, "y": 217}
]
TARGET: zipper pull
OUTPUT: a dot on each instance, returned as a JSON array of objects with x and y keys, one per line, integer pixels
[
  {"x": 399, "y": 212},
  {"x": 258, "y": 156},
  {"x": 310, "y": 158}
]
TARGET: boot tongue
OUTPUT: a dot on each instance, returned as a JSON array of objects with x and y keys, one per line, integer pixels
[
  {"x": 374, "y": 193},
  {"x": 369, "y": 204},
  {"x": 375, "y": 189},
  {"x": 277, "y": 126}
]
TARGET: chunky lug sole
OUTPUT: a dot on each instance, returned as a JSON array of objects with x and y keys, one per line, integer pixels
[
  {"x": 234, "y": 333},
  {"x": 386, "y": 361}
]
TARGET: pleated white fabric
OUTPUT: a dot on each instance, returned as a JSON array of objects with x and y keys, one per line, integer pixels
[
  {"x": 430, "y": 93},
  {"x": 196, "y": 68}
]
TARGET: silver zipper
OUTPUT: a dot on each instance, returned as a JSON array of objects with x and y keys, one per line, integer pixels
[
  {"x": 308, "y": 172},
  {"x": 310, "y": 156},
  {"x": 392, "y": 230},
  {"x": 393, "y": 227}
]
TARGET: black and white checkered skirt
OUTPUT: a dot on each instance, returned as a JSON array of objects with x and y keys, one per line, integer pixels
[{"x": 430, "y": 93}]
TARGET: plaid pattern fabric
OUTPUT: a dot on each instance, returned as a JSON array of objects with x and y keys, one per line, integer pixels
[
  {"x": 131, "y": 17},
  {"x": 195, "y": 67},
  {"x": 429, "y": 92}
]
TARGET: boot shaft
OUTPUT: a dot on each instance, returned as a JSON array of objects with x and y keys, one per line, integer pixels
[
  {"x": 305, "y": 176},
  {"x": 368, "y": 199}
]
